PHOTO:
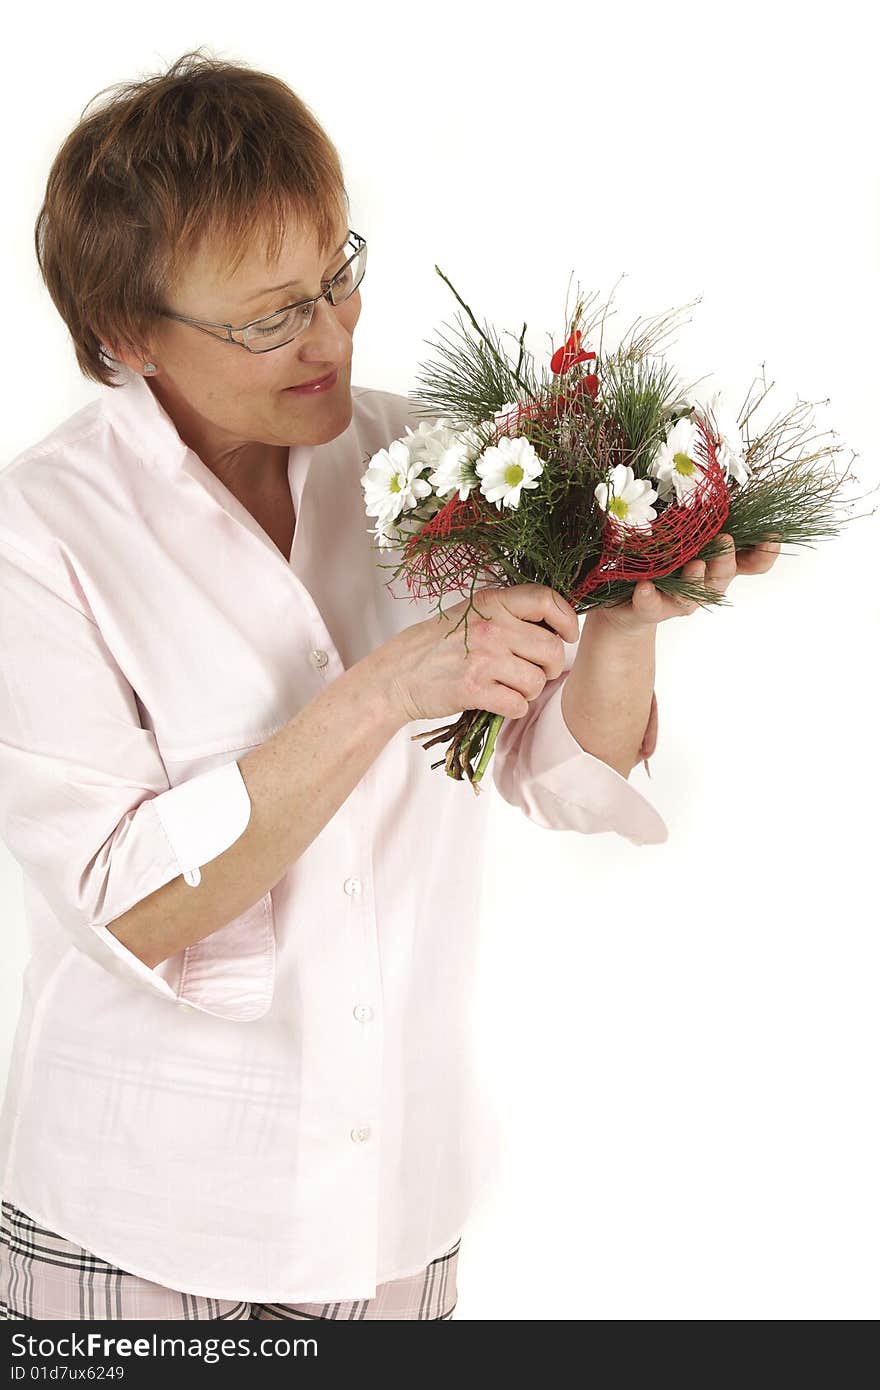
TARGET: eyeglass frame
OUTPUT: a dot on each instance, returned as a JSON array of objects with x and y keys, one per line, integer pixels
[{"x": 205, "y": 324}]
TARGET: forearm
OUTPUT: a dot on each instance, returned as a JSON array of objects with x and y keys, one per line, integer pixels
[
  {"x": 606, "y": 697},
  {"x": 296, "y": 781}
]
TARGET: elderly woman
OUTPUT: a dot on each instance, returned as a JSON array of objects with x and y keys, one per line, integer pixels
[{"x": 240, "y": 1084}]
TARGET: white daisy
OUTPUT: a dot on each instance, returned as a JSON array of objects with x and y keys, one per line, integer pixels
[
  {"x": 674, "y": 464},
  {"x": 454, "y": 464},
  {"x": 729, "y": 450},
  {"x": 627, "y": 498},
  {"x": 392, "y": 484},
  {"x": 506, "y": 468},
  {"x": 384, "y": 537},
  {"x": 427, "y": 443},
  {"x": 506, "y": 410}
]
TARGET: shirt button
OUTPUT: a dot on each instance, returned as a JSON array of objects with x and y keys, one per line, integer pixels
[
  {"x": 360, "y": 1134},
  {"x": 352, "y": 885},
  {"x": 363, "y": 1012},
  {"x": 319, "y": 657},
  {"x": 193, "y": 877}
]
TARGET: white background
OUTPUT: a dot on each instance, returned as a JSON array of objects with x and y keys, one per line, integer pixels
[{"x": 681, "y": 1039}]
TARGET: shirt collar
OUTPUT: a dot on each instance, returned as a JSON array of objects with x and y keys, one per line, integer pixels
[
  {"x": 137, "y": 416},
  {"x": 140, "y": 419}
]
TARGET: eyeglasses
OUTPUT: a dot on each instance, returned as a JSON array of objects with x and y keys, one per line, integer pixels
[{"x": 276, "y": 329}]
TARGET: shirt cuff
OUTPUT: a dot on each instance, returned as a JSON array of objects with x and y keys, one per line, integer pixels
[
  {"x": 560, "y": 786},
  {"x": 204, "y": 816}
]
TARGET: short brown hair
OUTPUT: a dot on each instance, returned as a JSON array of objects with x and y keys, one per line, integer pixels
[{"x": 207, "y": 149}]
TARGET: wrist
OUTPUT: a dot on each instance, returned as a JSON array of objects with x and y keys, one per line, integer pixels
[
  {"x": 620, "y": 626},
  {"x": 377, "y": 674}
]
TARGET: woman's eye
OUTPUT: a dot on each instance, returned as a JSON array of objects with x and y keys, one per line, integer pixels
[
  {"x": 272, "y": 325},
  {"x": 280, "y": 321}
]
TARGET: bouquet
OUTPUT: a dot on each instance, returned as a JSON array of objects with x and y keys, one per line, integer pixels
[{"x": 588, "y": 478}]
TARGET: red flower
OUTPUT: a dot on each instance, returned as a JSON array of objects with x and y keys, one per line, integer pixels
[
  {"x": 569, "y": 354},
  {"x": 585, "y": 385},
  {"x": 589, "y": 383}
]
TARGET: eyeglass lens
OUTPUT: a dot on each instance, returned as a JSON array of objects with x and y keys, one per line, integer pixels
[{"x": 282, "y": 327}]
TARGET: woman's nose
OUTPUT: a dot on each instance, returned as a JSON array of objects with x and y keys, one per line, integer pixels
[{"x": 327, "y": 329}]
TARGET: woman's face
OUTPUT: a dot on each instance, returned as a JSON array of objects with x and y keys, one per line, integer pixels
[{"x": 228, "y": 403}]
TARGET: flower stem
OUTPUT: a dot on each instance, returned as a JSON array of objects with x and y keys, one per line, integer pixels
[{"x": 488, "y": 747}]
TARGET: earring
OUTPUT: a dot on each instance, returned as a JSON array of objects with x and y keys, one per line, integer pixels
[{"x": 149, "y": 368}]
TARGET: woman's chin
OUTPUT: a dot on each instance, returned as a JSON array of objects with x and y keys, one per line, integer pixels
[{"x": 319, "y": 426}]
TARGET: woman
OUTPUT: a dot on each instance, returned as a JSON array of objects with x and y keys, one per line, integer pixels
[{"x": 240, "y": 1084}]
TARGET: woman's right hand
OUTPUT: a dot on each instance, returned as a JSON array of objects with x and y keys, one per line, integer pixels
[{"x": 428, "y": 674}]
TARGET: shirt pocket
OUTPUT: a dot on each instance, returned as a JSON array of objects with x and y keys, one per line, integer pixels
[{"x": 231, "y": 972}]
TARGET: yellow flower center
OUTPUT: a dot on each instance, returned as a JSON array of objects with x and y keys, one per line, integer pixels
[
  {"x": 683, "y": 464},
  {"x": 513, "y": 474},
  {"x": 618, "y": 507},
  {"x": 394, "y": 485}
]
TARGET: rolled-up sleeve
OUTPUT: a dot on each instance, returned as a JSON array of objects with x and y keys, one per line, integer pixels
[
  {"x": 539, "y": 767},
  {"x": 86, "y": 808}
]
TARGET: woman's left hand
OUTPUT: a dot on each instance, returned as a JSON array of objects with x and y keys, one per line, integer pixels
[{"x": 649, "y": 606}]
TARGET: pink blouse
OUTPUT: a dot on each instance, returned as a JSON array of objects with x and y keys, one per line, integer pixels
[{"x": 284, "y": 1110}]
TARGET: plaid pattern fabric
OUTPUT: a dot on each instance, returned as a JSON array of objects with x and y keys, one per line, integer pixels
[{"x": 43, "y": 1275}]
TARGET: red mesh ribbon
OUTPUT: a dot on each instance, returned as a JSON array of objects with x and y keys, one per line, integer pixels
[
  {"x": 439, "y": 567},
  {"x": 674, "y": 538},
  {"x": 548, "y": 410}
]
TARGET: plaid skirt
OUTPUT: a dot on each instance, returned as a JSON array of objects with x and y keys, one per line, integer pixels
[{"x": 43, "y": 1275}]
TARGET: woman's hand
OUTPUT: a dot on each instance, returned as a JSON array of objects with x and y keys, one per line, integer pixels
[
  {"x": 515, "y": 644},
  {"x": 649, "y": 606}
]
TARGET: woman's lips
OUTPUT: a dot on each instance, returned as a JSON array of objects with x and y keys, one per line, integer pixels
[{"x": 312, "y": 388}]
